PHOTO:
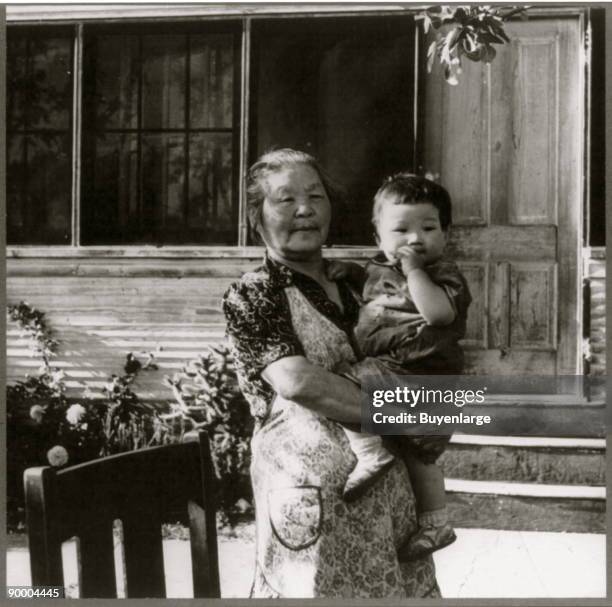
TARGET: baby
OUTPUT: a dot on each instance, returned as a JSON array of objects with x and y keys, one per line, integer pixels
[{"x": 413, "y": 315}]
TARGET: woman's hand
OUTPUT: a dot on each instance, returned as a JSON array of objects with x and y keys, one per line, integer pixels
[
  {"x": 295, "y": 378},
  {"x": 346, "y": 270}
]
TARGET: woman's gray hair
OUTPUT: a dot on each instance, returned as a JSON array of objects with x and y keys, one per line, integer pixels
[{"x": 274, "y": 161}]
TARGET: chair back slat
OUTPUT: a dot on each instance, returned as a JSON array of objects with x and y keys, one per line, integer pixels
[
  {"x": 44, "y": 543},
  {"x": 203, "y": 530},
  {"x": 201, "y": 560},
  {"x": 143, "y": 489},
  {"x": 144, "y": 558},
  {"x": 96, "y": 560}
]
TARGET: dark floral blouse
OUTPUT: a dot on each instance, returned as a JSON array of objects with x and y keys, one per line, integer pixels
[{"x": 259, "y": 326}]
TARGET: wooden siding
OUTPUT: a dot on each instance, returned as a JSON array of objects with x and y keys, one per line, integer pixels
[{"x": 102, "y": 309}]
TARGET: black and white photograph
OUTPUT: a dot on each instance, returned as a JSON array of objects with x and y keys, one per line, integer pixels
[{"x": 246, "y": 242}]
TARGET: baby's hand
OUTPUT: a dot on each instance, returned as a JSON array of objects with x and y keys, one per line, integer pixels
[{"x": 410, "y": 259}]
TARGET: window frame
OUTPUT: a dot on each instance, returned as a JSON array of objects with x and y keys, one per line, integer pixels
[
  {"x": 241, "y": 29},
  {"x": 80, "y": 16}
]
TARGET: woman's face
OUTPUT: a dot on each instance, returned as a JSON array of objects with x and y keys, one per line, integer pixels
[{"x": 296, "y": 213}]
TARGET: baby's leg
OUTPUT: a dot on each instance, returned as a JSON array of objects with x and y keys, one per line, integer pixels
[
  {"x": 427, "y": 484},
  {"x": 373, "y": 459},
  {"x": 434, "y": 531}
]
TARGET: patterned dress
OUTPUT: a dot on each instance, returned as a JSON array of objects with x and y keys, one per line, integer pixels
[{"x": 310, "y": 542}]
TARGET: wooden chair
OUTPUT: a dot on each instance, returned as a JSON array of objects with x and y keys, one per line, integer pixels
[{"x": 143, "y": 489}]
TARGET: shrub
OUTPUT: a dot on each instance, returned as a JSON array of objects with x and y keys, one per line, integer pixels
[{"x": 207, "y": 397}]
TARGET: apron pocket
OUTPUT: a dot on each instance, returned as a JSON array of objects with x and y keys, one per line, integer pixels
[{"x": 296, "y": 515}]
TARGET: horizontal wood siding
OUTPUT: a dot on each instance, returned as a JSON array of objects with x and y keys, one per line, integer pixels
[{"x": 100, "y": 310}]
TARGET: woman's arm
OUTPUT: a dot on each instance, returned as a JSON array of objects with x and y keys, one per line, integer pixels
[{"x": 296, "y": 379}]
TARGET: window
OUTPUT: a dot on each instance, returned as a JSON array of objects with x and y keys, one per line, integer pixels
[
  {"x": 159, "y": 133},
  {"x": 161, "y": 143},
  {"x": 343, "y": 89},
  {"x": 39, "y": 135}
]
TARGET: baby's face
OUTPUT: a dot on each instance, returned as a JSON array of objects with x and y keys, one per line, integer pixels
[{"x": 415, "y": 225}]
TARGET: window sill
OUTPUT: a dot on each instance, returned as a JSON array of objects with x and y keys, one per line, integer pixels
[{"x": 160, "y": 252}]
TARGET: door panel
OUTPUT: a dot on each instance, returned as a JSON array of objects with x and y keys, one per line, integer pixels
[
  {"x": 533, "y": 304},
  {"x": 507, "y": 144}
]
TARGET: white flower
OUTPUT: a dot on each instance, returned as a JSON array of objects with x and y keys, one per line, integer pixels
[
  {"x": 75, "y": 413},
  {"x": 37, "y": 413},
  {"x": 242, "y": 505},
  {"x": 57, "y": 456}
]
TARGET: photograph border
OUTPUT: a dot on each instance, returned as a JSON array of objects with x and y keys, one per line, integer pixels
[{"x": 332, "y": 602}]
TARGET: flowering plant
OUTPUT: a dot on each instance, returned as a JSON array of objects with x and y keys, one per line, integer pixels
[
  {"x": 44, "y": 427},
  {"x": 57, "y": 456},
  {"x": 207, "y": 397},
  {"x": 75, "y": 414}
]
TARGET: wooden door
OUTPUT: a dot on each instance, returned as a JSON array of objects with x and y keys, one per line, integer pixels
[{"x": 507, "y": 144}]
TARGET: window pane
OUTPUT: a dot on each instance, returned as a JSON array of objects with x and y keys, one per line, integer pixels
[
  {"x": 163, "y": 187},
  {"x": 212, "y": 214},
  {"x": 164, "y": 79},
  {"x": 39, "y": 189},
  {"x": 110, "y": 210},
  {"x": 212, "y": 81},
  {"x": 153, "y": 172},
  {"x": 16, "y": 82},
  {"x": 116, "y": 82},
  {"x": 49, "y": 83},
  {"x": 342, "y": 89},
  {"x": 39, "y": 139},
  {"x": 15, "y": 187}
]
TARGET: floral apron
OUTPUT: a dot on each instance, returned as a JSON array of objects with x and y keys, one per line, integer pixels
[{"x": 310, "y": 543}]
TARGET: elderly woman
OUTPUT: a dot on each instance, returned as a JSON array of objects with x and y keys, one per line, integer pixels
[{"x": 290, "y": 326}]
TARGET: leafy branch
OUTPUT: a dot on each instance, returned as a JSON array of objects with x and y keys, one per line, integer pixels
[
  {"x": 32, "y": 322},
  {"x": 465, "y": 31}
]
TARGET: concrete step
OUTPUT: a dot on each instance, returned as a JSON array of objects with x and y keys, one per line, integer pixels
[
  {"x": 526, "y": 483},
  {"x": 526, "y": 460},
  {"x": 520, "y": 513},
  {"x": 456, "y": 485}
]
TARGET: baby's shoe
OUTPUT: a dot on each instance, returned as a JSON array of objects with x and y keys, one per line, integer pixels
[
  {"x": 425, "y": 541},
  {"x": 365, "y": 473}
]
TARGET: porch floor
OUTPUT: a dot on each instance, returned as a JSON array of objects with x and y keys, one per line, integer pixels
[{"x": 482, "y": 563}]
